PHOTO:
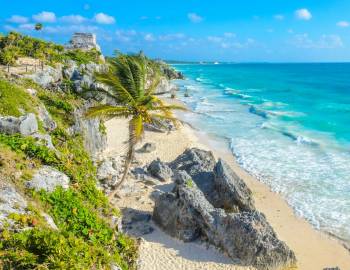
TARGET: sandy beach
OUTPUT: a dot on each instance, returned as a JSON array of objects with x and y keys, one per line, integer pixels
[{"x": 313, "y": 249}]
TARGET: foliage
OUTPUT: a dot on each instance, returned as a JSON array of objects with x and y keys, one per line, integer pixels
[
  {"x": 132, "y": 80},
  {"x": 16, "y": 45},
  {"x": 47, "y": 249},
  {"x": 83, "y": 57},
  {"x": 30, "y": 147},
  {"x": 38, "y": 26},
  {"x": 14, "y": 99},
  {"x": 189, "y": 183}
]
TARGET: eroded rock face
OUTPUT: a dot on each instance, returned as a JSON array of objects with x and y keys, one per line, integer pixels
[
  {"x": 47, "y": 77},
  {"x": 48, "y": 123},
  {"x": 210, "y": 202},
  {"x": 247, "y": 236},
  {"x": 10, "y": 202},
  {"x": 48, "y": 178},
  {"x": 234, "y": 193},
  {"x": 160, "y": 170},
  {"x": 95, "y": 141},
  {"x": 25, "y": 125}
]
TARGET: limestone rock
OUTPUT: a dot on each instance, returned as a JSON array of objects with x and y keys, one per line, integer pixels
[
  {"x": 247, "y": 236},
  {"x": 231, "y": 189},
  {"x": 160, "y": 170},
  {"x": 25, "y": 125},
  {"x": 147, "y": 148},
  {"x": 95, "y": 141},
  {"x": 199, "y": 164},
  {"x": 47, "y": 77},
  {"x": 45, "y": 117},
  {"x": 48, "y": 178},
  {"x": 10, "y": 202}
]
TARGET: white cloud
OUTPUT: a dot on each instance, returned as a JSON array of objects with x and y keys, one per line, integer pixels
[
  {"x": 169, "y": 37},
  {"x": 103, "y": 18},
  {"x": 279, "y": 17},
  {"x": 324, "y": 42},
  {"x": 18, "y": 19},
  {"x": 215, "y": 39},
  {"x": 149, "y": 37},
  {"x": 195, "y": 18},
  {"x": 229, "y": 35},
  {"x": 303, "y": 14},
  {"x": 45, "y": 16},
  {"x": 70, "y": 29},
  {"x": 27, "y": 26},
  {"x": 75, "y": 19},
  {"x": 343, "y": 24},
  {"x": 125, "y": 35}
]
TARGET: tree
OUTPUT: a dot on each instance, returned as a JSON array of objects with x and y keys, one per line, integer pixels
[
  {"x": 38, "y": 26},
  {"x": 132, "y": 80}
]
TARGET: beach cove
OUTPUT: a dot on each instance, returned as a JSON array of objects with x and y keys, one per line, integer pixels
[{"x": 313, "y": 249}]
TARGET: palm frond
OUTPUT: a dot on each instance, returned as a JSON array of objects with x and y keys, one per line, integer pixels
[{"x": 107, "y": 110}]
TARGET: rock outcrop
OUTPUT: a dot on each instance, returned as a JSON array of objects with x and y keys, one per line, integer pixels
[
  {"x": 233, "y": 194},
  {"x": 210, "y": 202},
  {"x": 48, "y": 123},
  {"x": 48, "y": 77},
  {"x": 25, "y": 125},
  {"x": 48, "y": 178},
  {"x": 160, "y": 170},
  {"x": 95, "y": 141},
  {"x": 10, "y": 202}
]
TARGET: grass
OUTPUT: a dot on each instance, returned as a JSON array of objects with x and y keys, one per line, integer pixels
[{"x": 14, "y": 99}]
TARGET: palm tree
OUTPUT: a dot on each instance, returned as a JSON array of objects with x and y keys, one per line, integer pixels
[
  {"x": 38, "y": 26},
  {"x": 132, "y": 80}
]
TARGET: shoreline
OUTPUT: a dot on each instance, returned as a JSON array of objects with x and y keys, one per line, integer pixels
[
  {"x": 220, "y": 148},
  {"x": 314, "y": 249}
]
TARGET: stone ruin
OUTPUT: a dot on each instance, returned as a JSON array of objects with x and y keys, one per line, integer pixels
[{"x": 83, "y": 41}]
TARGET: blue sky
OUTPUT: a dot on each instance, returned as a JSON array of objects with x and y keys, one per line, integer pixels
[{"x": 221, "y": 30}]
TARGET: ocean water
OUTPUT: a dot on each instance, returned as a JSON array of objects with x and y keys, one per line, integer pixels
[{"x": 287, "y": 124}]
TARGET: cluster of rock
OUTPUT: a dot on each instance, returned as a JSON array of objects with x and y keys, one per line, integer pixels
[{"x": 210, "y": 202}]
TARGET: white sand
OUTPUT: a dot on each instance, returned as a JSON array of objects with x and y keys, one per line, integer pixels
[{"x": 314, "y": 250}]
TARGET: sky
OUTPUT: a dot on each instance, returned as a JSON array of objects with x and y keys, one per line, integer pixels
[{"x": 195, "y": 30}]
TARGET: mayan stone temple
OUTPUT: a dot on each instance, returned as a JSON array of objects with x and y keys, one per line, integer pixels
[{"x": 83, "y": 41}]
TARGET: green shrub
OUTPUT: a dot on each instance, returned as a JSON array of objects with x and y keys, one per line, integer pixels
[
  {"x": 47, "y": 249},
  {"x": 72, "y": 214},
  {"x": 14, "y": 99},
  {"x": 30, "y": 147}
]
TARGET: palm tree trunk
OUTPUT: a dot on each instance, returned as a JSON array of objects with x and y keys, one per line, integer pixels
[{"x": 128, "y": 160}]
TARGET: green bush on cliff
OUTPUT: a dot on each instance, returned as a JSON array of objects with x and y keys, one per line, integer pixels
[{"x": 14, "y": 99}]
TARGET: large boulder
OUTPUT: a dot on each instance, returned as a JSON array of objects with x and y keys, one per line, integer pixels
[
  {"x": 48, "y": 178},
  {"x": 186, "y": 214},
  {"x": 25, "y": 125},
  {"x": 233, "y": 192},
  {"x": 160, "y": 170}
]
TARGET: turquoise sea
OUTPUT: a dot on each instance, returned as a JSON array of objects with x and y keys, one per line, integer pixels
[{"x": 287, "y": 124}]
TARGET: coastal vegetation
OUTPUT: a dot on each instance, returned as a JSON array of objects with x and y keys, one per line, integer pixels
[
  {"x": 132, "y": 81},
  {"x": 15, "y": 45},
  {"x": 85, "y": 238}
]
